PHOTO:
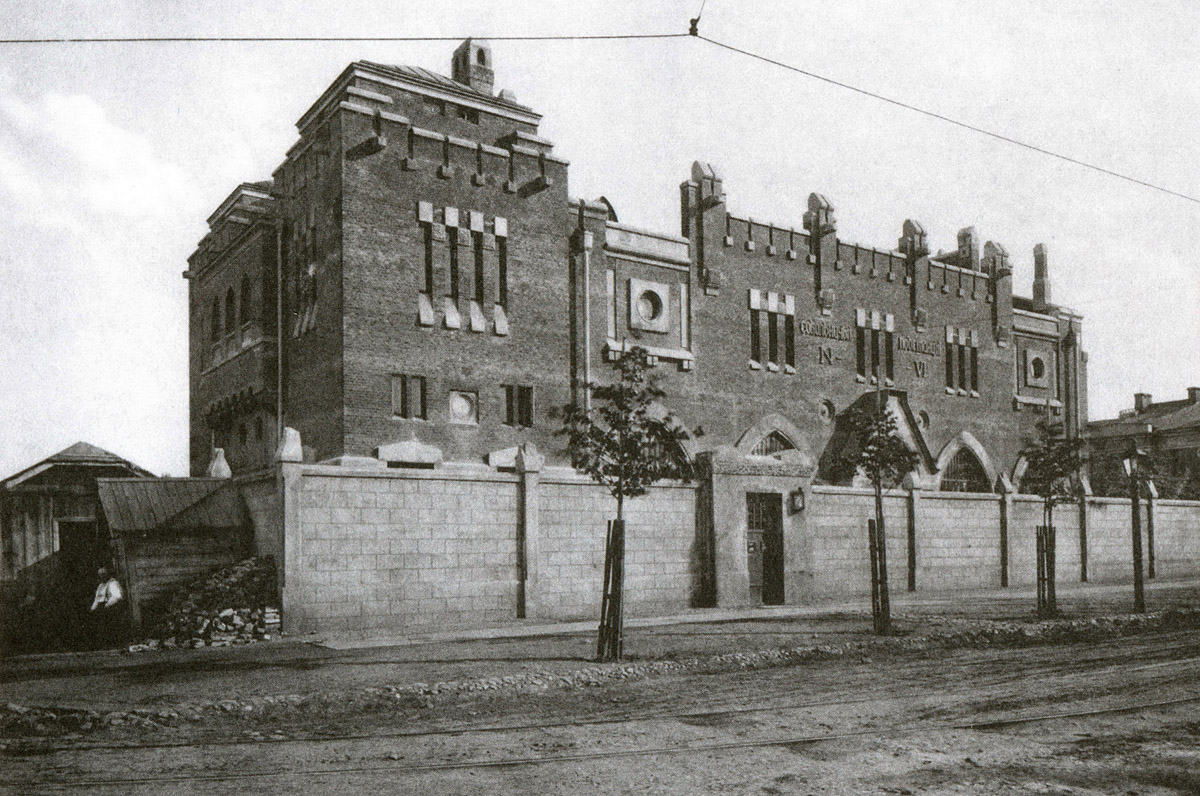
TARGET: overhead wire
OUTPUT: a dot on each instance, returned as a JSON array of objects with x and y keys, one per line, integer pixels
[
  {"x": 310, "y": 39},
  {"x": 947, "y": 119},
  {"x": 693, "y": 32}
]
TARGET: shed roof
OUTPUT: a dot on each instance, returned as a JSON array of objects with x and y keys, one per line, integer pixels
[{"x": 146, "y": 504}]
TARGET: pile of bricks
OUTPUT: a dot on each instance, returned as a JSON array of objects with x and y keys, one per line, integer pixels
[{"x": 234, "y": 605}]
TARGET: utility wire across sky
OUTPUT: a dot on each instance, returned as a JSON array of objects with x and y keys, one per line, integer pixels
[{"x": 692, "y": 33}]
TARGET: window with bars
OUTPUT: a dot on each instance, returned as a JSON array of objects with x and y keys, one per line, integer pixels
[
  {"x": 771, "y": 444},
  {"x": 964, "y": 473},
  {"x": 408, "y": 396},
  {"x": 518, "y": 405}
]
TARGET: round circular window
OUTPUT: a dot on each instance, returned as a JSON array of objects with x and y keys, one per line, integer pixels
[
  {"x": 649, "y": 306},
  {"x": 923, "y": 420},
  {"x": 826, "y": 411}
]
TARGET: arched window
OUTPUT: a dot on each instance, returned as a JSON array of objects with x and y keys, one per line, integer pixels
[
  {"x": 230, "y": 312},
  {"x": 481, "y": 57},
  {"x": 964, "y": 473},
  {"x": 247, "y": 299},
  {"x": 215, "y": 320},
  {"x": 771, "y": 444}
]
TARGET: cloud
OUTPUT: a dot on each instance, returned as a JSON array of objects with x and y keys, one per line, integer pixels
[
  {"x": 92, "y": 310},
  {"x": 61, "y": 153}
]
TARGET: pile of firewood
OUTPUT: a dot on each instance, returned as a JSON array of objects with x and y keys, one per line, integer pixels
[{"x": 235, "y": 605}]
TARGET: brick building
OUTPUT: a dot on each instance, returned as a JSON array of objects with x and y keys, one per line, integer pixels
[
  {"x": 441, "y": 293},
  {"x": 1168, "y": 432}
]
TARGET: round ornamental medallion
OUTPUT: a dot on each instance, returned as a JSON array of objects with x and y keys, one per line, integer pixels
[
  {"x": 649, "y": 306},
  {"x": 462, "y": 407}
]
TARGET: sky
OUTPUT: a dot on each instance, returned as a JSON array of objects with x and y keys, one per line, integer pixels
[{"x": 113, "y": 155}]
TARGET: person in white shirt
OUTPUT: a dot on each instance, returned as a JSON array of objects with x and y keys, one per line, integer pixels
[{"x": 105, "y": 609}]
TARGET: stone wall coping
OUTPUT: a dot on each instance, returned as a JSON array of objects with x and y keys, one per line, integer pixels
[
  {"x": 855, "y": 491},
  {"x": 447, "y": 472},
  {"x": 1112, "y": 501},
  {"x": 1183, "y": 504}
]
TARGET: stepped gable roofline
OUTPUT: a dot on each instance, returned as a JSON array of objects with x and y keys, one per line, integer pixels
[
  {"x": 420, "y": 81},
  {"x": 80, "y": 454}
]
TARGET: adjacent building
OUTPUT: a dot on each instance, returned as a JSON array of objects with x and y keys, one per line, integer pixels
[{"x": 1167, "y": 434}]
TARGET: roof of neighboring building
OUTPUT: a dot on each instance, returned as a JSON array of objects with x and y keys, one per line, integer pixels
[
  {"x": 1165, "y": 416},
  {"x": 144, "y": 504},
  {"x": 81, "y": 454}
]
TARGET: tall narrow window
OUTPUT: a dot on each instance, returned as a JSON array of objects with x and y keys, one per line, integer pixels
[
  {"x": 408, "y": 397},
  {"x": 247, "y": 300},
  {"x": 518, "y": 405},
  {"x": 860, "y": 350},
  {"x": 890, "y": 355},
  {"x": 502, "y": 272},
  {"x": 962, "y": 366},
  {"x": 428, "y": 288},
  {"x": 773, "y": 337},
  {"x": 789, "y": 341},
  {"x": 974, "y": 369},
  {"x": 452, "y": 239},
  {"x": 215, "y": 322},
  {"x": 477, "y": 243},
  {"x": 230, "y": 311},
  {"x": 949, "y": 365},
  {"x": 875, "y": 353},
  {"x": 755, "y": 337}
]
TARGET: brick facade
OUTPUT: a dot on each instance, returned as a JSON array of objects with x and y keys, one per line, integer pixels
[{"x": 432, "y": 267}]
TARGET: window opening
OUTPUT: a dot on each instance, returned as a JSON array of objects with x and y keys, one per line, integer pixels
[
  {"x": 964, "y": 473},
  {"x": 428, "y": 288},
  {"x": 974, "y": 370},
  {"x": 502, "y": 272},
  {"x": 890, "y": 363},
  {"x": 230, "y": 311},
  {"x": 962, "y": 366},
  {"x": 755, "y": 337},
  {"x": 950, "y": 365},
  {"x": 771, "y": 444},
  {"x": 789, "y": 341},
  {"x": 860, "y": 350},
  {"x": 772, "y": 337},
  {"x": 518, "y": 405},
  {"x": 874, "y": 353},
  {"x": 408, "y": 397},
  {"x": 477, "y": 243}
]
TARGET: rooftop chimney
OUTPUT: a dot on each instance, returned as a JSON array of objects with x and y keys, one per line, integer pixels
[
  {"x": 1041, "y": 279},
  {"x": 1141, "y": 401},
  {"x": 1194, "y": 395},
  {"x": 472, "y": 65}
]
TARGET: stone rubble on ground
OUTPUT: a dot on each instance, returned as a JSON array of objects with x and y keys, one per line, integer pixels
[{"x": 234, "y": 605}]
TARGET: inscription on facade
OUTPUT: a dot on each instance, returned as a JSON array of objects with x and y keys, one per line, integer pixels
[
  {"x": 925, "y": 347},
  {"x": 825, "y": 329},
  {"x": 919, "y": 367}
]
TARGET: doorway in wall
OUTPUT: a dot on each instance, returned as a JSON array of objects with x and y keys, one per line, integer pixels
[{"x": 764, "y": 546}]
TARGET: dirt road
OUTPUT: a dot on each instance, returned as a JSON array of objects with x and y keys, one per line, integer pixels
[{"x": 1115, "y": 717}]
